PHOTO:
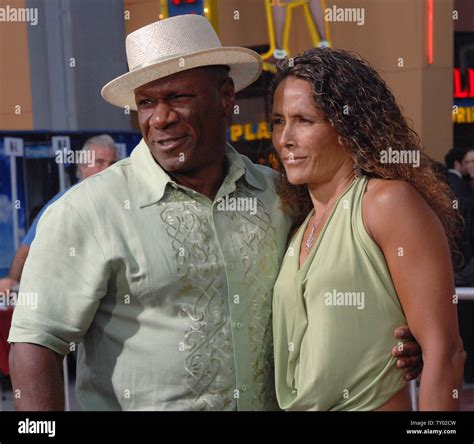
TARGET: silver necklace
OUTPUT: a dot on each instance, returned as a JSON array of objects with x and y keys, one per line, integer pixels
[{"x": 310, "y": 240}]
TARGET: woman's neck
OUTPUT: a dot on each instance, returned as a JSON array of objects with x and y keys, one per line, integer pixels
[{"x": 324, "y": 194}]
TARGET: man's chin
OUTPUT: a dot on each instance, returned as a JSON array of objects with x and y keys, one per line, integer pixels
[
  {"x": 175, "y": 167},
  {"x": 173, "y": 163}
]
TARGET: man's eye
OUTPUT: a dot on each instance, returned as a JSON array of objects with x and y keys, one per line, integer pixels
[
  {"x": 180, "y": 96},
  {"x": 276, "y": 121},
  {"x": 144, "y": 102},
  {"x": 303, "y": 120}
]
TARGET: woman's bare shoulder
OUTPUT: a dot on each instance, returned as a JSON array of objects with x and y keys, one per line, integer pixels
[
  {"x": 392, "y": 195},
  {"x": 389, "y": 202}
]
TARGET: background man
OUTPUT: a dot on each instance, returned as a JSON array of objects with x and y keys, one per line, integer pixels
[{"x": 103, "y": 148}]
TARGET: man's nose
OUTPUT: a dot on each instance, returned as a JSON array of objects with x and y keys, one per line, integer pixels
[{"x": 163, "y": 115}]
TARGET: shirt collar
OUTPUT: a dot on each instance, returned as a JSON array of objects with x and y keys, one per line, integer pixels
[
  {"x": 152, "y": 179},
  {"x": 455, "y": 172}
]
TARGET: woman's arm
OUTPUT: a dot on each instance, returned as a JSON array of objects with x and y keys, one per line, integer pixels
[{"x": 416, "y": 250}]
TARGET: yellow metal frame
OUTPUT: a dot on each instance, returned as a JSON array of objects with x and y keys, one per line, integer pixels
[
  {"x": 271, "y": 30},
  {"x": 310, "y": 23},
  {"x": 326, "y": 23},
  {"x": 211, "y": 14},
  {"x": 164, "y": 12}
]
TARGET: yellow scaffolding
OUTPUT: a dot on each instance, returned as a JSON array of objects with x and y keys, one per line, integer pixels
[{"x": 309, "y": 20}]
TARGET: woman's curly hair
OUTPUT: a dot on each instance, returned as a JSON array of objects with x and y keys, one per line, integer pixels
[{"x": 361, "y": 108}]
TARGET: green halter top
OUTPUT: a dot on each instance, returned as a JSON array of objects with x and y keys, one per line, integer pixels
[{"x": 333, "y": 319}]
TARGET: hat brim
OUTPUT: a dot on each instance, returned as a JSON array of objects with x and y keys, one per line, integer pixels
[{"x": 245, "y": 67}]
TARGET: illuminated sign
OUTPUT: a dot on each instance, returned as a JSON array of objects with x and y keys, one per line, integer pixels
[
  {"x": 179, "y": 7},
  {"x": 467, "y": 91},
  {"x": 463, "y": 109},
  {"x": 463, "y": 114},
  {"x": 249, "y": 132}
]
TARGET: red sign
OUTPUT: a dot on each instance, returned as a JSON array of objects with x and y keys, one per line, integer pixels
[
  {"x": 181, "y": 2},
  {"x": 468, "y": 90}
]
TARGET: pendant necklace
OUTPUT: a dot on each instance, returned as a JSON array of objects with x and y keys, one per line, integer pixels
[{"x": 310, "y": 240}]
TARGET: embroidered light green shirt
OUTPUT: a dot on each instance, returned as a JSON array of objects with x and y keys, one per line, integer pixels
[{"x": 168, "y": 293}]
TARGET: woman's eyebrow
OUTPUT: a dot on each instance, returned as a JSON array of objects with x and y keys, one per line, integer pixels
[{"x": 300, "y": 114}]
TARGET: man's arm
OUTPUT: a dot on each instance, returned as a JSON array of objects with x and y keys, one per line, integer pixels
[
  {"x": 7, "y": 283},
  {"x": 36, "y": 378},
  {"x": 19, "y": 262}
]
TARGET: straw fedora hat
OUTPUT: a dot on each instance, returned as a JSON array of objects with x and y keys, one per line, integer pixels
[{"x": 173, "y": 45}]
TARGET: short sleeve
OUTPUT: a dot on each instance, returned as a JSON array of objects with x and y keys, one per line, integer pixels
[
  {"x": 63, "y": 281},
  {"x": 30, "y": 234}
]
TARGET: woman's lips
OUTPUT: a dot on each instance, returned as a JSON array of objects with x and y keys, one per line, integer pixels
[{"x": 294, "y": 160}]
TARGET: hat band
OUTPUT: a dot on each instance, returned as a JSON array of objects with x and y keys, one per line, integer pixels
[{"x": 164, "y": 59}]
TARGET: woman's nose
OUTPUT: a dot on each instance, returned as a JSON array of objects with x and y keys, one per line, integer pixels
[{"x": 286, "y": 136}]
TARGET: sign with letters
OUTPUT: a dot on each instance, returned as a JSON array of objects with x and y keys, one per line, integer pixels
[
  {"x": 463, "y": 109},
  {"x": 14, "y": 146}
]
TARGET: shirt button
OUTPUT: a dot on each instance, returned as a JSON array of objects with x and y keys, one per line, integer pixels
[
  {"x": 231, "y": 266},
  {"x": 239, "y": 326},
  {"x": 244, "y": 388}
]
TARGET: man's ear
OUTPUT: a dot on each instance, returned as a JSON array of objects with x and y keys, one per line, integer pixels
[{"x": 227, "y": 91}]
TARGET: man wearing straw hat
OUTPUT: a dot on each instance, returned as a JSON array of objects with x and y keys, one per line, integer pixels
[{"x": 150, "y": 265}]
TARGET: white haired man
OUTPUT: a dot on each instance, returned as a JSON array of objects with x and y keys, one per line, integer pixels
[{"x": 104, "y": 155}]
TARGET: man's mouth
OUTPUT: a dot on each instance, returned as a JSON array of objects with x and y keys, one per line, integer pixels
[{"x": 169, "y": 143}]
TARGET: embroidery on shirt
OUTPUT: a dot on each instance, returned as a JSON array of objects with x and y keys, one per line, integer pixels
[
  {"x": 257, "y": 241},
  {"x": 209, "y": 361}
]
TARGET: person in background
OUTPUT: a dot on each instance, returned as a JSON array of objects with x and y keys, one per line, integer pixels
[
  {"x": 457, "y": 171},
  {"x": 103, "y": 147},
  {"x": 466, "y": 308},
  {"x": 461, "y": 188},
  {"x": 468, "y": 165}
]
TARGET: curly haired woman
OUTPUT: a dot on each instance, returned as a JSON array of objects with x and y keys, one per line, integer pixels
[{"x": 373, "y": 248}]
